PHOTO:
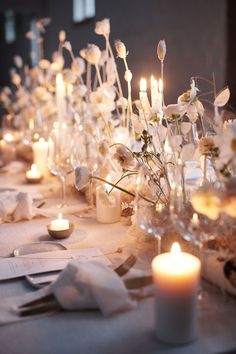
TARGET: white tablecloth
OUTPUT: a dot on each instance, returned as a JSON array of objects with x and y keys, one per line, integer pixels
[{"x": 89, "y": 332}]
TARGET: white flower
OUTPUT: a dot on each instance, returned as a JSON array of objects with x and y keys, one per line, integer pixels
[
  {"x": 122, "y": 102},
  {"x": 120, "y": 49},
  {"x": 16, "y": 79},
  {"x": 82, "y": 177},
  {"x": 174, "y": 111},
  {"x": 161, "y": 50},
  {"x": 69, "y": 76},
  {"x": 103, "y": 27},
  {"x": 138, "y": 126},
  {"x": 78, "y": 66},
  {"x": 128, "y": 75},
  {"x": 62, "y": 36},
  {"x": 44, "y": 64},
  {"x": 81, "y": 90},
  {"x": 124, "y": 157},
  {"x": 18, "y": 61},
  {"x": 92, "y": 54},
  {"x": 102, "y": 100},
  {"x": 41, "y": 93},
  {"x": 227, "y": 143}
]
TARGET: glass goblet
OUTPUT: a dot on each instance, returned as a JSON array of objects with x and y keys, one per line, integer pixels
[
  {"x": 60, "y": 151},
  {"x": 151, "y": 215}
]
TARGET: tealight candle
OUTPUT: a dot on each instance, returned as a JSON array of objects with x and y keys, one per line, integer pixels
[
  {"x": 108, "y": 208},
  {"x": 33, "y": 175},
  {"x": 59, "y": 224},
  {"x": 176, "y": 277},
  {"x": 40, "y": 151}
]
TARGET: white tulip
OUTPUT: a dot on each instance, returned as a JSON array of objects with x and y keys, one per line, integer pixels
[
  {"x": 103, "y": 27},
  {"x": 18, "y": 61},
  {"x": 128, "y": 75},
  {"x": 120, "y": 49},
  {"x": 161, "y": 50},
  {"x": 62, "y": 36}
]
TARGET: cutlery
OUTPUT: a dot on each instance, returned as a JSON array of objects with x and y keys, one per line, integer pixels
[
  {"x": 49, "y": 303},
  {"x": 120, "y": 270},
  {"x": 28, "y": 307}
]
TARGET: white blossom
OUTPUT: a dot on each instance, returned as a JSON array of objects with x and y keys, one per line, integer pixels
[
  {"x": 161, "y": 50},
  {"x": 120, "y": 49},
  {"x": 103, "y": 27}
]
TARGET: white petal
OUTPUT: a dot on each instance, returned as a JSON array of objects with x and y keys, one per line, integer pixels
[{"x": 222, "y": 97}]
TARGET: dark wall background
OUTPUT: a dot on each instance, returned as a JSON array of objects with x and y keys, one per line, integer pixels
[{"x": 197, "y": 34}]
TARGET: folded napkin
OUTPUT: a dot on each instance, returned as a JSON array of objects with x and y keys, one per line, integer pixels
[
  {"x": 91, "y": 286},
  {"x": 80, "y": 286},
  {"x": 15, "y": 206}
]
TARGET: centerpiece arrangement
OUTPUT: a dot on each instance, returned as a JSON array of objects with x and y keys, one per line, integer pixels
[{"x": 144, "y": 159}]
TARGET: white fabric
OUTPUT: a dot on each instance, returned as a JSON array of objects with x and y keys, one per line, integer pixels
[
  {"x": 79, "y": 287},
  {"x": 91, "y": 286},
  {"x": 15, "y": 206}
]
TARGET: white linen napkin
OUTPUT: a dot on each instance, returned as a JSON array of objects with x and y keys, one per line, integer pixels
[
  {"x": 81, "y": 286},
  {"x": 91, "y": 286},
  {"x": 15, "y": 206}
]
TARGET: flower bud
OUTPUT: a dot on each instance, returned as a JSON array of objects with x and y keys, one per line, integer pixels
[
  {"x": 128, "y": 75},
  {"x": 92, "y": 54},
  {"x": 120, "y": 49},
  {"x": 62, "y": 36},
  {"x": 103, "y": 27},
  {"x": 18, "y": 61},
  {"x": 161, "y": 50}
]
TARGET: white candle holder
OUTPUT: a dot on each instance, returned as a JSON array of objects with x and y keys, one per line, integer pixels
[
  {"x": 59, "y": 234},
  {"x": 108, "y": 208}
]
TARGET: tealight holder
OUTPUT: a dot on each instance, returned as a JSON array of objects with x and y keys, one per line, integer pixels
[
  {"x": 34, "y": 180},
  {"x": 59, "y": 234},
  {"x": 33, "y": 175}
]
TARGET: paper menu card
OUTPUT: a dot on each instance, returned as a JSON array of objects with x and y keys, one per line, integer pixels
[{"x": 14, "y": 267}]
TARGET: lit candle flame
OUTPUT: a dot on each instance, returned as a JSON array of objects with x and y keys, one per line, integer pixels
[
  {"x": 154, "y": 84},
  {"x": 34, "y": 168},
  {"x": 143, "y": 85},
  {"x": 175, "y": 249}
]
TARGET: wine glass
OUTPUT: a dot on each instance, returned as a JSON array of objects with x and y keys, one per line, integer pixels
[
  {"x": 60, "y": 154},
  {"x": 151, "y": 214}
]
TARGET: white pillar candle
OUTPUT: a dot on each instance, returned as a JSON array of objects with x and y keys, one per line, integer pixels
[
  {"x": 59, "y": 224},
  {"x": 33, "y": 173},
  {"x": 143, "y": 96},
  {"x": 108, "y": 208},
  {"x": 60, "y": 99},
  {"x": 40, "y": 151},
  {"x": 154, "y": 94},
  {"x": 176, "y": 277}
]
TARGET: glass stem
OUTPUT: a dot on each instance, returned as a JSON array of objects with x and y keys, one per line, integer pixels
[{"x": 63, "y": 185}]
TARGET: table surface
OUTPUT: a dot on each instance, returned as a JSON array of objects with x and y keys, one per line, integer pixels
[{"x": 88, "y": 331}]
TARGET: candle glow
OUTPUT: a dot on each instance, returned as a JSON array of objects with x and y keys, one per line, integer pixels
[
  {"x": 59, "y": 224},
  {"x": 143, "y": 85}
]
